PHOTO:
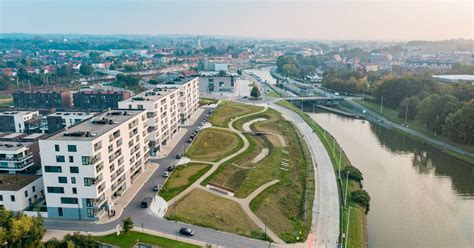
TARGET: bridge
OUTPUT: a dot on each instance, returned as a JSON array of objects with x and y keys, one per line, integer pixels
[{"x": 316, "y": 100}]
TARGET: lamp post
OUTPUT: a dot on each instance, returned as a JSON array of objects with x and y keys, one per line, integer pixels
[
  {"x": 347, "y": 182},
  {"x": 347, "y": 226}
]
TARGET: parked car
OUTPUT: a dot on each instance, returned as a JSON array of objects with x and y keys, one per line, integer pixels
[
  {"x": 178, "y": 156},
  {"x": 166, "y": 174},
  {"x": 190, "y": 141},
  {"x": 186, "y": 231},
  {"x": 157, "y": 187},
  {"x": 146, "y": 202},
  {"x": 170, "y": 168}
]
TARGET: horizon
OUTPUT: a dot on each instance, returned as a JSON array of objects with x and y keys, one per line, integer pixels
[{"x": 350, "y": 20}]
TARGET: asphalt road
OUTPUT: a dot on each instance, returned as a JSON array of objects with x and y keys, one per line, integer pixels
[{"x": 149, "y": 220}]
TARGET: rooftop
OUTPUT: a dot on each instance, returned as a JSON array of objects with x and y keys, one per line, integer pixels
[
  {"x": 152, "y": 95},
  {"x": 11, "y": 113},
  {"x": 96, "y": 126},
  {"x": 16, "y": 182},
  {"x": 72, "y": 113},
  {"x": 13, "y": 146}
]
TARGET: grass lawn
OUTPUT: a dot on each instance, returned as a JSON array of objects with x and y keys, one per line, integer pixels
[
  {"x": 282, "y": 205},
  {"x": 129, "y": 239},
  {"x": 207, "y": 101},
  {"x": 213, "y": 144},
  {"x": 358, "y": 223},
  {"x": 392, "y": 115},
  {"x": 206, "y": 209},
  {"x": 6, "y": 100},
  {"x": 273, "y": 94},
  {"x": 226, "y": 110},
  {"x": 182, "y": 178}
]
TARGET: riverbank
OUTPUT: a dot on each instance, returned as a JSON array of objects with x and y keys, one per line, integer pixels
[
  {"x": 356, "y": 227},
  {"x": 418, "y": 132}
]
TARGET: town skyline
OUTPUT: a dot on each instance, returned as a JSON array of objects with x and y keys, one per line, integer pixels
[{"x": 348, "y": 20}]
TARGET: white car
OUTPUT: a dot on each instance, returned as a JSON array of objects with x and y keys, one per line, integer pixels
[{"x": 166, "y": 174}]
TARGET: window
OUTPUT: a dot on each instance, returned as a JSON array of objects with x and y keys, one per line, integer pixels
[
  {"x": 12, "y": 198},
  {"x": 71, "y": 148},
  {"x": 60, "y": 211},
  {"x": 89, "y": 202},
  {"x": 71, "y": 159},
  {"x": 73, "y": 180},
  {"x": 33, "y": 188},
  {"x": 56, "y": 169},
  {"x": 55, "y": 190},
  {"x": 1, "y": 197},
  {"x": 74, "y": 191},
  {"x": 26, "y": 193},
  {"x": 87, "y": 181},
  {"x": 68, "y": 200},
  {"x": 221, "y": 84},
  {"x": 90, "y": 212},
  {"x": 74, "y": 169},
  {"x": 62, "y": 179},
  {"x": 56, "y": 148},
  {"x": 60, "y": 159},
  {"x": 85, "y": 160},
  {"x": 29, "y": 201}
]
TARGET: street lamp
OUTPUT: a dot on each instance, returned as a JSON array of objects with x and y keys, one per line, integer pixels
[
  {"x": 347, "y": 227},
  {"x": 347, "y": 182}
]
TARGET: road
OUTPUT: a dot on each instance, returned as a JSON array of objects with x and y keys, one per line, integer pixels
[{"x": 150, "y": 220}]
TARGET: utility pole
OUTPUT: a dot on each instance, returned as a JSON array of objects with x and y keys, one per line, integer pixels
[
  {"x": 345, "y": 195},
  {"x": 406, "y": 114},
  {"x": 363, "y": 95},
  {"x": 340, "y": 156},
  {"x": 381, "y": 105},
  {"x": 347, "y": 226}
]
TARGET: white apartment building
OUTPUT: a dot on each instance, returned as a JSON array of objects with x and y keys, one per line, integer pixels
[
  {"x": 88, "y": 166},
  {"x": 188, "y": 95},
  {"x": 16, "y": 156},
  {"x": 14, "y": 121},
  {"x": 167, "y": 106},
  {"x": 17, "y": 192},
  {"x": 61, "y": 119}
]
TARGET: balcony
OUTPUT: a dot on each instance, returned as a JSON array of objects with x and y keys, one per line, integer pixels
[{"x": 18, "y": 159}]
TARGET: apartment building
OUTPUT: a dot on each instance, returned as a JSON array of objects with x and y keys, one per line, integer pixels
[
  {"x": 42, "y": 99},
  {"x": 18, "y": 121},
  {"x": 188, "y": 88},
  {"x": 99, "y": 99},
  {"x": 17, "y": 192},
  {"x": 59, "y": 120},
  {"x": 88, "y": 166},
  {"x": 162, "y": 107},
  {"x": 216, "y": 83}
]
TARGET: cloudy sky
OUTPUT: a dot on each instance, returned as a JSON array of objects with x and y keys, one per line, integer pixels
[{"x": 321, "y": 19}]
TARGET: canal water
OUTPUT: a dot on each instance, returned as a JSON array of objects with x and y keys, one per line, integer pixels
[{"x": 419, "y": 196}]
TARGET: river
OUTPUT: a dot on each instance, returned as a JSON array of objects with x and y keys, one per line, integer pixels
[{"x": 419, "y": 196}]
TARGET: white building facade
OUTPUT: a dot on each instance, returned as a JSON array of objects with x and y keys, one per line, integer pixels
[
  {"x": 88, "y": 166},
  {"x": 17, "y": 192}
]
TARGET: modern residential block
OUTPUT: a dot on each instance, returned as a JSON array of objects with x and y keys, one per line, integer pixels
[
  {"x": 215, "y": 83},
  {"x": 42, "y": 99},
  {"x": 17, "y": 192},
  {"x": 99, "y": 99},
  {"x": 18, "y": 121},
  {"x": 59, "y": 120},
  {"x": 188, "y": 95},
  {"x": 89, "y": 165}
]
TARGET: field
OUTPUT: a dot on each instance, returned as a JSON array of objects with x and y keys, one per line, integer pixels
[
  {"x": 213, "y": 144},
  {"x": 206, "y": 209},
  {"x": 358, "y": 221},
  {"x": 183, "y": 176},
  {"x": 284, "y": 202},
  {"x": 129, "y": 239},
  {"x": 206, "y": 101},
  {"x": 228, "y": 110}
]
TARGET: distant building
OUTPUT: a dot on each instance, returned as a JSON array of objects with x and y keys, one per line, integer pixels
[
  {"x": 384, "y": 60},
  {"x": 206, "y": 65},
  {"x": 215, "y": 83},
  {"x": 368, "y": 67},
  {"x": 89, "y": 166},
  {"x": 42, "y": 99},
  {"x": 18, "y": 121},
  {"x": 60, "y": 120},
  {"x": 99, "y": 100},
  {"x": 435, "y": 64},
  {"x": 19, "y": 152},
  {"x": 17, "y": 192}
]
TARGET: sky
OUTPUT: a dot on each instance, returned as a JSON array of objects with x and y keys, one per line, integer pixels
[{"x": 389, "y": 20}]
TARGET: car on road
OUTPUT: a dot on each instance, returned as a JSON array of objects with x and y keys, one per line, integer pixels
[
  {"x": 166, "y": 174},
  {"x": 157, "y": 187},
  {"x": 170, "y": 168},
  {"x": 190, "y": 141},
  {"x": 178, "y": 156},
  {"x": 146, "y": 202},
  {"x": 186, "y": 231}
]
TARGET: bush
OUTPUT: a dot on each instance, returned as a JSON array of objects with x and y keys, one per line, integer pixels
[
  {"x": 75, "y": 240},
  {"x": 127, "y": 225},
  {"x": 354, "y": 173},
  {"x": 362, "y": 198}
]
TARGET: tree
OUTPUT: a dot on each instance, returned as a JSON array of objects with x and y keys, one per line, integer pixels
[
  {"x": 255, "y": 93},
  {"x": 22, "y": 74},
  {"x": 75, "y": 240},
  {"x": 354, "y": 173},
  {"x": 86, "y": 69},
  {"x": 460, "y": 125},
  {"x": 129, "y": 68},
  {"x": 19, "y": 230},
  {"x": 362, "y": 198},
  {"x": 412, "y": 102},
  {"x": 127, "y": 225},
  {"x": 434, "y": 109},
  {"x": 222, "y": 73}
]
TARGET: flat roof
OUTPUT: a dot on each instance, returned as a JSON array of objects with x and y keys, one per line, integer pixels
[
  {"x": 96, "y": 126},
  {"x": 16, "y": 182},
  {"x": 152, "y": 95},
  {"x": 11, "y": 113},
  {"x": 13, "y": 135},
  {"x": 65, "y": 113},
  {"x": 12, "y": 145}
]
